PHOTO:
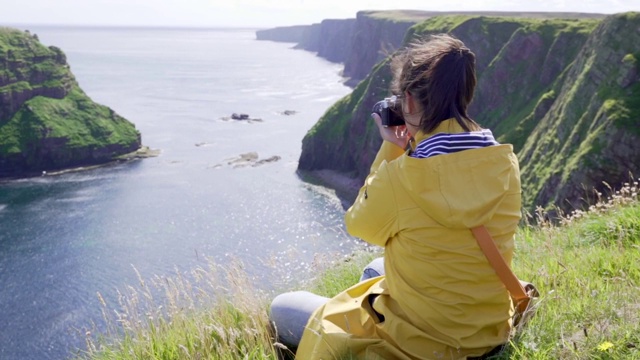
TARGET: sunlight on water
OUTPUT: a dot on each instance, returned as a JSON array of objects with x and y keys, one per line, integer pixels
[{"x": 66, "y": 237}]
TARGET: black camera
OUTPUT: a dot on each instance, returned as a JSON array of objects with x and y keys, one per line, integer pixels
[{"x": 390, "y": 111}]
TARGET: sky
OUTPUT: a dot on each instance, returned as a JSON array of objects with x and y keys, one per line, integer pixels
[{"x": 260, "y": 13}]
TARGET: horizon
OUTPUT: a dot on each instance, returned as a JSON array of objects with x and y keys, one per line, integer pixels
[
  {"x": 259, "y": 14},
  {"x": 247, "y": 27}
]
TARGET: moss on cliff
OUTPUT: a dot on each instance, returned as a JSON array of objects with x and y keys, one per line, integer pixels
[
  {"x": 75, "y": 118},
  {"x": 520, "y": 83},
  {"x": 590, "y": 133},
  {"x": 46, "y": 121}
]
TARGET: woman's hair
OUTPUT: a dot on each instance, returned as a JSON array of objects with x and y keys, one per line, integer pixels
[{"x": 440, "y": 74}]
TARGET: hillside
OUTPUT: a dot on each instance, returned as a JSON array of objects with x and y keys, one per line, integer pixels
[
  {"x": 563, "y": 91},
  {"x": 46, "y": 121}
]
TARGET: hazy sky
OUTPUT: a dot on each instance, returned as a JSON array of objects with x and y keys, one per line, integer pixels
[{"x": 259, "y": 13}]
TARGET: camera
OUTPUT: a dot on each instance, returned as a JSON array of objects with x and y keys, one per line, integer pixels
[{"x": 390, "y": 111}]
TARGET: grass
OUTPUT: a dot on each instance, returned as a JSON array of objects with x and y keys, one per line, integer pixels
[
  {"x": 585, "y": 265},
  {"x": 207, "y": 314},
  {"x": 586, "y": 269},
  {"x": 75, "y": 118}
]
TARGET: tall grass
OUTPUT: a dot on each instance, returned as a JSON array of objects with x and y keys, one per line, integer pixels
[
  {"x": 588, "y": 273},
  {"x": 209, "y": 314},
  {"x": 585, "y": 265}
]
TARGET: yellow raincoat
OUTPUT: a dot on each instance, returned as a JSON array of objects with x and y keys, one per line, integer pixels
[{"x": 440, "y": 298}]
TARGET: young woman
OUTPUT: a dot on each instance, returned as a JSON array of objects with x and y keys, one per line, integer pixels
[{"x": 439, "y": 297}]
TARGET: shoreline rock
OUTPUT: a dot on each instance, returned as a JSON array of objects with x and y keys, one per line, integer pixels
[
  {"x": 346, "y": 187},
  {"x": 248, "y": 159},
  {"x": 288, "y": 112},
  {"x": 142, "y": 153},
  {"x": 241, "y": 117}
]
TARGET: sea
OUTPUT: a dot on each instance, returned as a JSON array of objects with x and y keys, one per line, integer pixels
[{"x": 66, "y": 238}]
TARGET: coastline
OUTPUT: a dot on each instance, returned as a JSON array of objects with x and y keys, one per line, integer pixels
[
  {"x": 142, "y": 153},
  {"x": 346, "y": 187}
]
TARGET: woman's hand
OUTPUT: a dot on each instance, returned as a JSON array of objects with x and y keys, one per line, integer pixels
[{"x": 396, "y": 134}]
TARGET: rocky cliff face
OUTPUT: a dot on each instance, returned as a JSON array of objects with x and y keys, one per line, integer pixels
[
  {"x": 310, "y": 40},
  {"x": 564, "y": 92},
  {"x": 374, "y": 38},
  {"x": 46, "y": 121},
  {"x": 331, "y": 39},
  {"x": 335, "y": 39}
]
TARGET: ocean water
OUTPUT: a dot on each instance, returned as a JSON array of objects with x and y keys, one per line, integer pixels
[{"x": 65, "y": 238}]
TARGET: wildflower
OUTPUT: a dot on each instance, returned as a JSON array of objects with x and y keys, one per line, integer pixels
[{"x": 605, "y": 346}]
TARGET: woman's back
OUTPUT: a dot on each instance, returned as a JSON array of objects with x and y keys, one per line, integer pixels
[{"x": 438, "y": 278}]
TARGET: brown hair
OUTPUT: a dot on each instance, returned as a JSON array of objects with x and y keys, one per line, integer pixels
[{"x": 440, "y": 74}]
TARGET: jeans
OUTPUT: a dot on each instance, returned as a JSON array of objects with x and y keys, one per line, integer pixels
[{"x": 291, "y": 311}]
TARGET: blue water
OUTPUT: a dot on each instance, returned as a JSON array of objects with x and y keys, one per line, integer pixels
[{"x": 64, "y": 238}]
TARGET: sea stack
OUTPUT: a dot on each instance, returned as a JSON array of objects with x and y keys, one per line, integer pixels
[{"x": 46, "y": 121}]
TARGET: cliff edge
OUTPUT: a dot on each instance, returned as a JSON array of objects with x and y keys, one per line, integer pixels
[{"x": 46, "y": 121}]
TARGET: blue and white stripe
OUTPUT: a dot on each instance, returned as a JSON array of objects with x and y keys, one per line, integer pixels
[{"x": 443, "y": 143}]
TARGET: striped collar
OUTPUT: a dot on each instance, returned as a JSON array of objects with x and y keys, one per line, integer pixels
[{"x": 449, "y": 137}]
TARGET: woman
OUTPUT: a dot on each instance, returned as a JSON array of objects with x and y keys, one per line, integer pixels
[{"x": 439, "y": 297}]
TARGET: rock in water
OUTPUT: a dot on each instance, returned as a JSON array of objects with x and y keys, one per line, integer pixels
[
  {"x": 235, "y": 116},
  {"x": 249, "y": 159},
  {"x": 46, "y": 121}
]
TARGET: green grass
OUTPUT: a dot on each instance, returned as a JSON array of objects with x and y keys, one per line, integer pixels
[
  {"x": 585, "y": 267},
  {"x": 19, "y": 42},
  {"x": 206, "y": 314},
  {"x": 82, "y": 124},
  {"x": 588, "y": 274},
  {"x": 399, "y": 15},
  {"x": 23, "y": 55}
]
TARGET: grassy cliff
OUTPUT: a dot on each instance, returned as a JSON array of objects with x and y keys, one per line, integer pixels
[
  {"x": 46, "y": 121},
  {"x": 562, "y": 91},
  {"x": 591, "y": 129}
]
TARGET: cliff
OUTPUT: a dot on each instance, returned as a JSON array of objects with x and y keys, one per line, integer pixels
[
  {"x": 376, "y": 36},
  {"x": 358, "y": 43},
  {"x": 334, "y": 39},
  {"x": 330, "y": 39},
  {"x": 46, "y": 121},
  {"x": 362, "y": 42},
  {"x": 590, "y": 132},
  {"x": 564, "y": 92},
  {"x": 293, "y": 34}
]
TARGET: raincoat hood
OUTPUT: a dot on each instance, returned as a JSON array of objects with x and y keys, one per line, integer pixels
[{"x": 463, "y": 189}]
